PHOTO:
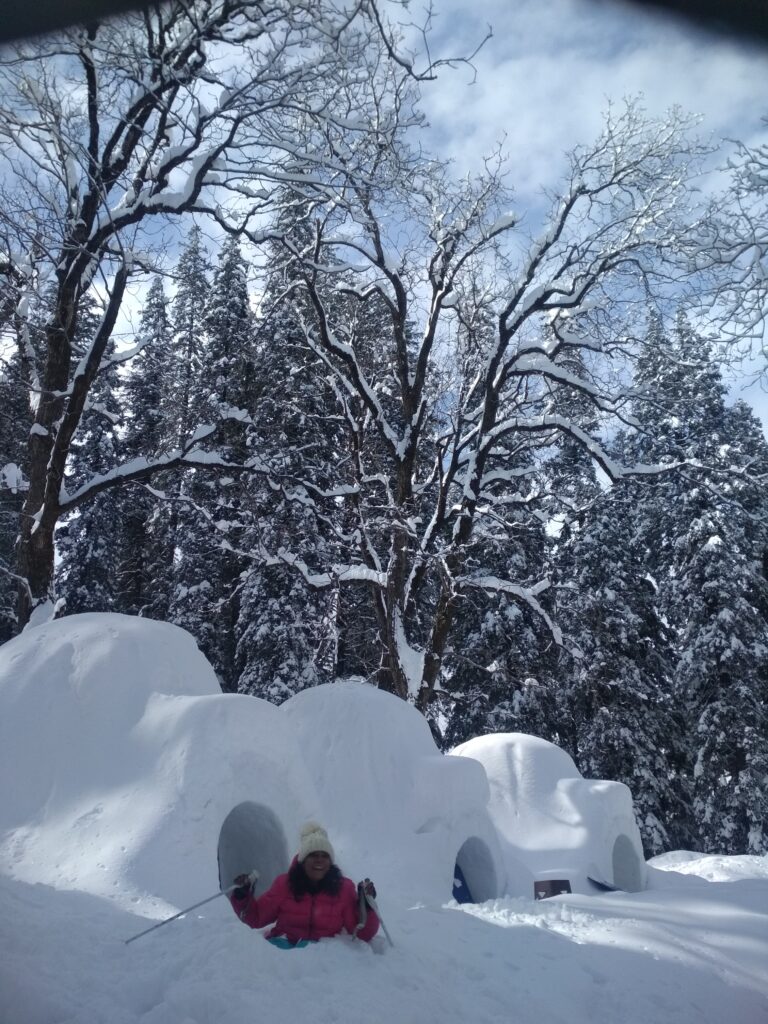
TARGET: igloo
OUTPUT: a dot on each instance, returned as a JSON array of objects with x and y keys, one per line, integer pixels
[
  {"x": 553, "y": 823},
  {"x": 100, "y": 713}
]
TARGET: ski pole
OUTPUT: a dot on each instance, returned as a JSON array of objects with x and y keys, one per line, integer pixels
[
  {"x": 374, "y": 907},
  {"x": 181, "y": 913}
]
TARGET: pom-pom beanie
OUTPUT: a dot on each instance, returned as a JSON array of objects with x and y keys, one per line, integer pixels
[{"x": 314, "y": 839}]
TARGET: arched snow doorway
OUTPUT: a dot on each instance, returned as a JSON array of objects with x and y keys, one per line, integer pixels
[
  {"x": 627, "y": 868},
  {"x": 474, "y": 876},
  {"x": 252, "y": 837}
]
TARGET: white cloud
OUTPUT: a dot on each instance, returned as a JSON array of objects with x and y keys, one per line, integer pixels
[{"x": 545, "y": 78}]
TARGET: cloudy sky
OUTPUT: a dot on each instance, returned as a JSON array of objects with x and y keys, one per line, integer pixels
[{"x": 545, "y": 77}]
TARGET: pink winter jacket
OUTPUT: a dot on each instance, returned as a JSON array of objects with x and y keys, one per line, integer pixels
[{"x": 318, "y": 916}]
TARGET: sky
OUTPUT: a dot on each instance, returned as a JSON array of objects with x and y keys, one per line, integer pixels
[
  {"x": 125, "y": 760},
  {"x": 541, "y": 84},
  {"x": 544, "y": 78}
]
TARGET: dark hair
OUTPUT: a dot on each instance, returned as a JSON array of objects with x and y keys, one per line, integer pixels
[{"x": 301, "y": 885}]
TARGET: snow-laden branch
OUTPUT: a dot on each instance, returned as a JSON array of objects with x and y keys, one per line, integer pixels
[
  {"x": 144, "y": 468},
  {"x": 336, "y": 573},
  {"x": 527, "y": 595}
]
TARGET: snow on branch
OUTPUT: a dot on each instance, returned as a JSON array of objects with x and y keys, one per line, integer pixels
[
  {"x": 142, "y": 469},
  {"x": 527, "y": 595},
  {"x": 336, "y": 573},
  {"x": 562, "y": 424}
]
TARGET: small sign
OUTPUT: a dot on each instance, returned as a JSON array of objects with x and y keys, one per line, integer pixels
[{"x": 551, "y": 887}]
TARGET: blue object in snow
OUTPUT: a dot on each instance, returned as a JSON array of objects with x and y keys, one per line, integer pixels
[{"x": 461, "y": 891}]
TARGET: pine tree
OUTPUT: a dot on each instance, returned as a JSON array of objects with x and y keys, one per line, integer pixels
[
  {"x": 185, "y": 395},
  {"x": 145, "y": 536},
  {"x": 286, "y": 631},
  {"x": 724, "y": 672},
  {"x": 228, "y": 358},
  {"x": 617, "y": 694},
  {"x": 188, "y": 334},
  {"x": 704, "y": 540},
  {"x": 207, "y": 597}
]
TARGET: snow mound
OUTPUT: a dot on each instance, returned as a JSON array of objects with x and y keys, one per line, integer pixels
[
  {"x": 383, "y": 784},
  {"x": 127, "y": 758},
  {"x": 553, "y": 823},
  {"x": 84, "y": 680},
  {"x": 711, "y": 867}
]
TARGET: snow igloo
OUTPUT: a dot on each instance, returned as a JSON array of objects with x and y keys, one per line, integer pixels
[
  {"x": 103, "y": 712},
  {"x": 553, "y": 824}
]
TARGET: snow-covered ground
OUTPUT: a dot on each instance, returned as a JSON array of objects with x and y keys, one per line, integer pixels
[{"x": 119, "y": 759}]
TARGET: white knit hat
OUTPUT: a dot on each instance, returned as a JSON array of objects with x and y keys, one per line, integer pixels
[{"x": 314, "y": 839}]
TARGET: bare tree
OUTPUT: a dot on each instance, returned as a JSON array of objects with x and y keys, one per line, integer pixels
[
  {"x": 455, "y": 399},
  {"x": 109, "y": 130},
  {"x": 731, "y": 250}
]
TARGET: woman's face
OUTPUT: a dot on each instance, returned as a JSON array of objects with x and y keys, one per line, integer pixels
[{"x": 316, "y": 866}]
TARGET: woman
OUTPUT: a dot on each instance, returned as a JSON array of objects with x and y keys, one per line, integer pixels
[{"x": 312, "y": 901}]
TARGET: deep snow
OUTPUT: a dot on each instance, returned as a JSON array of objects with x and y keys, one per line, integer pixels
[{"x": 120, "y": 758}]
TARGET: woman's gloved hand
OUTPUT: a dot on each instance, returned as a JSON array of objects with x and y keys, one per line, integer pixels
[
  {"x": 366, "y": 888},
  {"x": 245, "y": 884}
]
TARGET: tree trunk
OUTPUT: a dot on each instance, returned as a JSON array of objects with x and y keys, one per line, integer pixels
[
  {"x": 41, "y": 508},
  {"x": 36, "y": 553}
]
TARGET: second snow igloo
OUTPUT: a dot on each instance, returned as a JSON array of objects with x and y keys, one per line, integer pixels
[
  {"x": 553, "y": 823},
  {"x": 393, "y": 803}
]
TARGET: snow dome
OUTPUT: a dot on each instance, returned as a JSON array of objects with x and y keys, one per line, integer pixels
[
  {"x": 552, "y": 822},
  {"x": 129, "y": 759},
  {"x": 110, "y": 725}
]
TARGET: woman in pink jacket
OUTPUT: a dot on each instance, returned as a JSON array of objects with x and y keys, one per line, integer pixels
[{"x": 312, "y": 901}]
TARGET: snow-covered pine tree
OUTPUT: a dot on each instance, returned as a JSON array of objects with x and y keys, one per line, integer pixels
[
  {"x": 720, "y": 571},
  {"x": 221, "y": 347},
  {"x": 620, "y": 720},
  {"x": 498, "y": 668},
  {"x": 723, "y": 670},
  {"x": 286, "y": 632},
  {"x": 702, "y": 529},
  {"x": 188, "y": 319},
  {"x": 145, "y": 535},
  {"x": 606, "y": 689}
]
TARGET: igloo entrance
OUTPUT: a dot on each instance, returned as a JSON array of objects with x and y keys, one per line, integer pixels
[
  {"x": 474, "y": 877},
  {"x": 627, "y": 866}
]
